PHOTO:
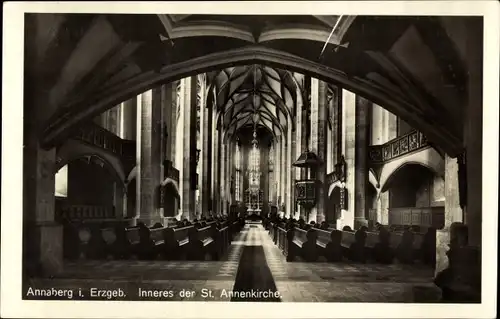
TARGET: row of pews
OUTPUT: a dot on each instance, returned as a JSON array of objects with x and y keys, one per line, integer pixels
[
  {"x": 208, "y": 239},
  {"x": 377, "y": 245}
]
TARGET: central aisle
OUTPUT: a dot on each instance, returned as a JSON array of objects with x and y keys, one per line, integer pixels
[{"x": 254, "y": 279}]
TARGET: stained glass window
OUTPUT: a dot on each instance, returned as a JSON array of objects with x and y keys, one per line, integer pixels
[{"x": 254, "y": 165}]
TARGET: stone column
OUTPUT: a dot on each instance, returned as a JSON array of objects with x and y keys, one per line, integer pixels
[
  {"x": 42, "y": 235},
  {"x": 452, "y": 212},
  {"x": 283, "y": 165},
  {"x": 128, "y": 119},
  {"x": 289, "y": 173},
  {"x": 169, "y": 133},
  {"x": 277, "y": 178},
  {"x": 348, "y": 146},
  {"x": 293, "y": 174},
  {"x": 473, "y": 134},
  {"x": 319, "y": 95},
  {"x": 119, "y": 201},
  {"x": 188, "y": 107},
  {"x": 201, "y": 167},
  {"x": 463, "y": 280},
  {"x": 329, "y": 137},
  {"x": 148, "y": 164},
  {"x": 274, "y": 193},
  {"x": 217, "y": 144},
  {"x": 213, "y": 158},
  {"x": 383, "y": 202},
  {"x": 223, "y": 165},
  {"x": 169, "y": 108},
  {"x": 299, "y": 132},
  {"x": 206, "y": 159},
  {"x": 361, "y": 160}
]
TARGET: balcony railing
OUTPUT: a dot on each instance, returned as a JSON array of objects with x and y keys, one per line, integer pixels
[
  {"x": 397, "y": 147},
  {"x": 86, "y": 212},
  {"x": 98, "y": 136}
]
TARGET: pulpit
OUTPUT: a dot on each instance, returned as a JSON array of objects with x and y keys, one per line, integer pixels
[{"x": 306, "y": 189}]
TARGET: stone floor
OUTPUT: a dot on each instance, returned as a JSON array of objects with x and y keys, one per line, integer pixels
[{"x": 296, "y": 281}]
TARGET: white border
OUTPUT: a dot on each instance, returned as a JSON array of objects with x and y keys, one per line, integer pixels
[{"x": 13, "y": 306}]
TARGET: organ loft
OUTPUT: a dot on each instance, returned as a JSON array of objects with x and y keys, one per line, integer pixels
[{"x": 194, "y": 141}]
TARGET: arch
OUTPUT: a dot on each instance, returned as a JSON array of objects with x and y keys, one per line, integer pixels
[
  {"x": 71, "y": 114},
  {"x": 169, "y": 181},
  {"x": 334, "y": 185},
  {"x": 132, "y": 175},
  {"x": 372, "y": 178},
  {"x": 428, "y": 158},
  {"x": 72, "y": 150}
]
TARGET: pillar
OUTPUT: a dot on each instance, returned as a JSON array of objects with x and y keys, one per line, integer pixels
[
  {"x": 169, "y": 128},
  {"x": 188, "y": 108},
  {"x": 201, "y": 167},
  {"x": 383, "y": 207},
  {"x": 290, "y": 209},
  {"x": 120, "y": 201},
  {"x": 319, "y": 104},
  {"x": 127, "y": 119},
  {"x": 169, "y": 115},
  {"x": 213, "y": 162},
  {"x": 149, "y": 157},
  {"x": 278, "y": 173},
  {"x": 348, "y": 146},
  {"x": 299, "y": 132},
  {"x": 206, "y": 159},
  {"x": 452, "y": 212},
  {"x": 283, "y": 165},
  {"x": 216, "y": 173},
  {"x": 223, "y": 185},
  {"x": 473, "y": 133},
  {"x": 292, "y": 171},
  {"x": 42, "y": 235},
  {"x": 362, "y": 110}
]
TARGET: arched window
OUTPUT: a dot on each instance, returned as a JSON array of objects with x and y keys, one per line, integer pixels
[
  {"x": 254, "y": 165},
  {"x": 237, "y": 164}
]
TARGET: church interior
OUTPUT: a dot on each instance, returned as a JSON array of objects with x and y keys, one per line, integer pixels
[{"x": 328, "y": 158}]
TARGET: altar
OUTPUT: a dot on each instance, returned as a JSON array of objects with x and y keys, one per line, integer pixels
[{"x": 254, "y": 200}]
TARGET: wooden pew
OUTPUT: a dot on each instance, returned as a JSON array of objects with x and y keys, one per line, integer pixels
[
  {"x": 353, "y": 244},
  {"x": 407, "y": 247},
  {"x": 377, "y": 246},
  {"x": 302, "y": 243},
  {"x": 222, "y": 240},
  {"x": 152, "y": 241},
  {"x": 177, "y": 240},
  {"x": 328, "y": 243},
  {"x": 282, "y": 241},
  {"x": 201, "y": 243},
  {"x": 412, "y": 246}
]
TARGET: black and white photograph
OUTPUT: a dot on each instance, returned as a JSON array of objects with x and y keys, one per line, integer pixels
[{"x": 251, "y": 157}]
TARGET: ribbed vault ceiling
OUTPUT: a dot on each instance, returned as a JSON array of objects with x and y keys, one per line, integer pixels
[{"x": 255, "y": 94}]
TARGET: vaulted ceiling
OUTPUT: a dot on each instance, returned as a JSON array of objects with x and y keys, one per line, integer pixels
[
  {"x": 78, "y": 65},
  {"x": 255, "y": 94}
]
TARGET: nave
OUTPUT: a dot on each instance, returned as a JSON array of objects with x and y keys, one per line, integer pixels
[
  {"x": 253, "y": 262},
  {"x": 131, "y": 130}
]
